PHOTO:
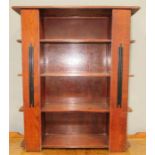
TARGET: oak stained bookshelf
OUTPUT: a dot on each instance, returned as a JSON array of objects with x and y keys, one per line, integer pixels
[{"x": 75, "y": 76}]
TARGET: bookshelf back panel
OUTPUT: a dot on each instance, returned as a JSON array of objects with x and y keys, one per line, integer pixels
[
  {"x": 75, "y": 90},
  {"x": 75, "y": 58},
  {"x": 76, "y": 123},
  {"x": 76, "y": 28},
  {"x": 74, "y": 12}
]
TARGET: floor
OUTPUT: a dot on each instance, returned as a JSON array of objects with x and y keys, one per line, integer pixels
[{"x": 137, "y": 147}]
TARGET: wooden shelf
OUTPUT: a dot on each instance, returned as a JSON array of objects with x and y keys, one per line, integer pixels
[
  {"x": 85, "y": 74},
  {"x": 75, "y": 41},
  {"x": 76, "y": 107},
  {"x": 44, "y": 109},
  {"x": 131, "y": 75},
  {"x": 75, "y": 141},
  {"x": 76, "y": 17},
  {"x": 133, "y": 9},
  {"x": 72, "y": 41}
]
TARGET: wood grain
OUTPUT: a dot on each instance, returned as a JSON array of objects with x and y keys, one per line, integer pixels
[
  {"x": 137, "y": 135},
  {"x": 75, "y": 41},
  {"x": 75, "y": 76},
  {"x": 75, "y": 90},
  {"x": 81, "y": 74},
  {"x": 118, "y": 116},
  {"x": 13, "y": 134},
  {"x": 75, "y": 58},
  {"x": 76, "y": 123},
  {"x": 32, "y": 117},
  {"x": 137, "y": 146},
  {"x": 76, "y": 107},
  {"x": 89, "y": 28},
  {"x": 21, "y": 109},
  {"x": 76, "y": 141},
  {"x": 133, "y": 9}
]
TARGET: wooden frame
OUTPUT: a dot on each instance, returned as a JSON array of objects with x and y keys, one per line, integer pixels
[
  {"x": 32, "y": 117},
  {"x": 75, "y": 76},
  {"x": 118, "y": 115}
]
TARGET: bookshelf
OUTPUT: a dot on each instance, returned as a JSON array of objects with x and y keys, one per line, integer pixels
[{"x": 75, "y": 76}]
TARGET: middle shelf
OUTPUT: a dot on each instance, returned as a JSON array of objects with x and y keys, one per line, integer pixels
[
  {"x": 76, "y": 104},
  {"x": 83, "y": 74},
  {"x": 76, "y": 107},
  {"x": 87, "y": 108}
]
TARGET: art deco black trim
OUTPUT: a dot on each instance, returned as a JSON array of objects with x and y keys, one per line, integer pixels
[
  {"x": 120, "y": 71},
  {"x": 31, "y": 76}
]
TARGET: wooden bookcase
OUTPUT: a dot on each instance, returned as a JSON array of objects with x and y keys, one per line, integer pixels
[{"x": 75, "y": 76}]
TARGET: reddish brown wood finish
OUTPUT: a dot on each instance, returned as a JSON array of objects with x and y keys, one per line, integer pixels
[
  {"x": 32, "y": 117},
  {"x": 90, "y": 40},
  {"x": 105, "y": 109},
  {"x": 73, "y": 9},
  {"x": 76, "y": 105},
  {"x": 76, "y": 141},
  {"x": 75, "y": 41},
  {"x": 76, "y": 130},
  {"x": 82, "y": 74},
  {"x": 77, "y": 28},
  {"x": 118, "y": 116},
  {"x": 76, "y": 123},
  {"x": 76, "y": 90},
  {"x": 75, "y": 76},
  {"x": 74, "y": 58}
]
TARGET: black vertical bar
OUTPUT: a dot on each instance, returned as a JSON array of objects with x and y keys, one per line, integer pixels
[
  {"x": 31, "y": 75},
  {"x": 120, "y": 71}
]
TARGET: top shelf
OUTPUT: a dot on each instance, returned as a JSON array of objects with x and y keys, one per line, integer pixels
[
  {"x": 108, "y": 41},
  {"x": 75, "y": 40},
  {"x": 72, "y": 41},
  {"x": 133, "y": 9}
]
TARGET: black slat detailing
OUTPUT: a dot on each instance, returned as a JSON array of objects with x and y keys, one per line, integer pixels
[
  {"x": 120, "y": 70},
  {"x": 31, "y": 75}
]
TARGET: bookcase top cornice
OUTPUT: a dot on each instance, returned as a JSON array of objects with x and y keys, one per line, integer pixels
[{"x": 133, "y": 9}]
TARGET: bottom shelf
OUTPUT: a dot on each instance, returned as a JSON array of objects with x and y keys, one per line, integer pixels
[{"x": 75, "y": 141}]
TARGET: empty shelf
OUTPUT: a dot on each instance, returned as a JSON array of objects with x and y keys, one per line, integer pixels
[
  {"x": 130, "y": 75},
  {"x": 47, "y": 108},
  {"x": 73, "y": 107},
  {"x": 75, "y": 41},
  {"x": 85, "y": 74},
  {"x": 75, "y": 141},
  {"x": 72, "y": 40}
]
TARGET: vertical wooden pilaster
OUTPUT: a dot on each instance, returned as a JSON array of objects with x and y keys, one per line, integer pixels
[
  {"x": 118, "y": 115},
  {"x": 32, "y": 115}
]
